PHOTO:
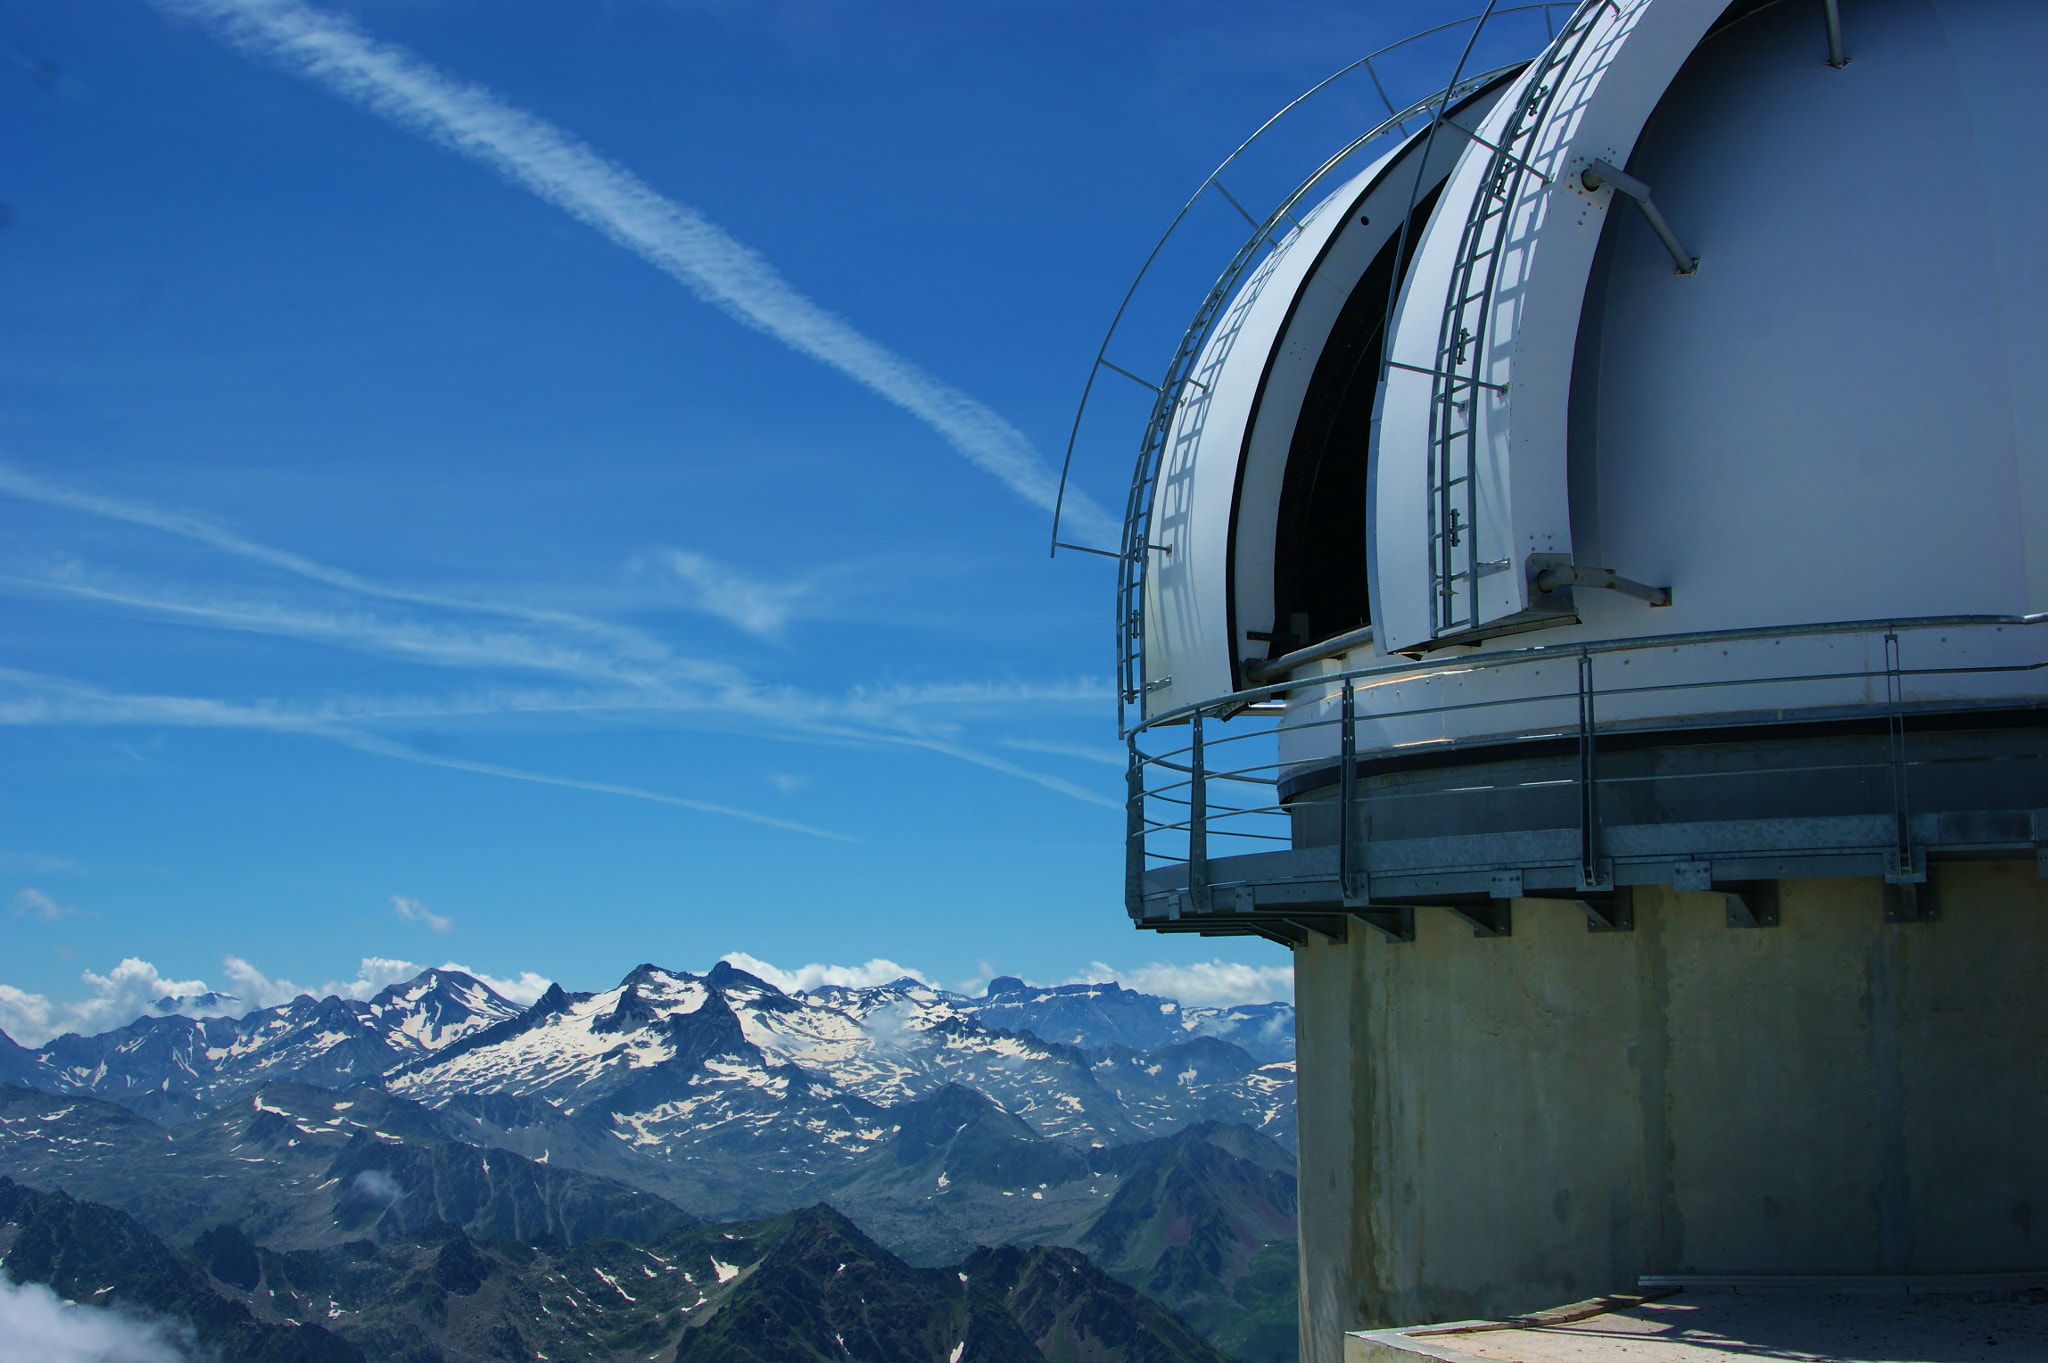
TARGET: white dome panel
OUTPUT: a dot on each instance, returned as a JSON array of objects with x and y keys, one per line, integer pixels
[
  {"x": 1218, "y": 493},
  {"x": 1455, "y": 543}
]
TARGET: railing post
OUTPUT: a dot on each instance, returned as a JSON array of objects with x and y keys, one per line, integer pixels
[
  {"x": 1198, "y": 824},
  {"x": 1134, "y": 833},
  {"x": 1590, "y": 877},
  {"x": 1902, "y": 867},
  {"x": 1350, "y": 856}
]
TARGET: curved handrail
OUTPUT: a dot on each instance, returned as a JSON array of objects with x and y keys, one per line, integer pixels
[
  {"x": 1102, "y": 351},
  {"x": 1158, "y": 427}
]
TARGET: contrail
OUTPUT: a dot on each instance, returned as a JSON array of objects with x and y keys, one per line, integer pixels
[
  {"x": 56, "y": 700},
  {"x": 672, "y": 237}
]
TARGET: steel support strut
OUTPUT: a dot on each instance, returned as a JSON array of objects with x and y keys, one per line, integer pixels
[
  {"x": 1605, "y": 173},
  {"x": 1591, "y": 875},
  {"x": 1350, "y": 855}
]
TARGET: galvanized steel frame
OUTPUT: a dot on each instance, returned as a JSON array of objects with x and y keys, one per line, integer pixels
[{"x": 1157, "y": 777}]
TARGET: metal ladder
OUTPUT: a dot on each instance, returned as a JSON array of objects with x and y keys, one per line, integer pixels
[{"x": 1455, "y": 383}]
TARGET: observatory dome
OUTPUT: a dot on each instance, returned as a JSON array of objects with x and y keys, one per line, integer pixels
[
  {"x": 1473, "y": 389},
  {"x": 1613, "y": 525}
]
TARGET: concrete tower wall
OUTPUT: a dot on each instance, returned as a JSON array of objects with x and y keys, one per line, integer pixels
[{"x": 1491, "y": 1126}]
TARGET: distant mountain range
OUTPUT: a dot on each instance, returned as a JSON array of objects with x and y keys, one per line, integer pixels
[{"x": 1154, "y": 1137}]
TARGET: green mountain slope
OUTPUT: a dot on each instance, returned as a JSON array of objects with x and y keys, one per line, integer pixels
[
  {"x": 300, "y": 1167},
  {"x": 1205, "y": 1222},
  {"x": 86, "y": 1252}
]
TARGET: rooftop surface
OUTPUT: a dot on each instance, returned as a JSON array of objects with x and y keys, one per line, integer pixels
[{"x": 1690, "y": 1326}]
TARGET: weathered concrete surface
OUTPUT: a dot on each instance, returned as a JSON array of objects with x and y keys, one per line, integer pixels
[{"x": 1546, "y": 1116}]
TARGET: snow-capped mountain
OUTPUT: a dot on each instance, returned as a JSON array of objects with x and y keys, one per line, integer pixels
[
  {"x": 719, "y": 1090},
  {"x": 725, "y": 1093},
  {"x": 172, "y": 1066},
  {"x": 1093, "y": 1016}
]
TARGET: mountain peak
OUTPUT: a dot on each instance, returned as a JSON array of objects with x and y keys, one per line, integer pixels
[
  {"x": 1003, "y": 984},
  {"x": 211, "y": 1000},
  {"x": 725, "y": 975}
]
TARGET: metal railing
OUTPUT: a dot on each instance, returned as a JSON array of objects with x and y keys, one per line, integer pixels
[
  {"x": 1219, "y": 790},
  {"x": 1135, "y": 550}
]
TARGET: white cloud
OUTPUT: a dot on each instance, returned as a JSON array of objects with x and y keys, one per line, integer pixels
[
  {"x": 131, "y": 990},
  {"x": 118, "y": 997},
  {"x": 374, "y": 974},
  {"x": 38, "y": 1324},
  {"x": 377, "y": 1185},
  {"x": 877, "y": 971},
  {"x": 674, "y": 238},
  {"x": 413, "y": 911},
  {"x": 757, "y": 607},
  {"x": 522, "y": 991},
  {"x": 25, "y": 1016},
  {"x": 1205, "y": 984},
  {"x": 31, "y": 901}
]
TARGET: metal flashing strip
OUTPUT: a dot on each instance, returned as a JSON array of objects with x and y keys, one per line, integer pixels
[{"x": 1914, "y": 1284}]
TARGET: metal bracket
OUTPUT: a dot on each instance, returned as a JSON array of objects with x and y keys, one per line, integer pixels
[
  {"x": 1566, "y": 575},
  {"x": 1751, "y": 903},
  {"x": 1397, "y": 922},
  {"x": 1908, "y": 901},
  {"x": 1606, "y": 173},
  {"x": 1495, "y": 918},
  {"x": 1614, "y": 911},
  {"x": 1334, "y": 927}
]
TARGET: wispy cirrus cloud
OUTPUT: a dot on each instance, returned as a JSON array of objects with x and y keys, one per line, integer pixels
[
  {"x": 626, "y": 670},
  {"x": 413, "y": 911},
  {"x": 676, "y": 239},
  {"x": 757, "y": 607},
  {"x": 199, "y": 529},
  {"x": 43, "y": 700},
  {"x": 31, "y": 902},
  {"x": 1103, "y": 755}
]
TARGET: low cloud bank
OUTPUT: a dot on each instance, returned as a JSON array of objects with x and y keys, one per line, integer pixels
[
  {"x": 877, "y": 971},
  {"x": 36, "y": 1323},
  {"x": 135, "y": 988},
  {"x": 1205, "y": 984}
]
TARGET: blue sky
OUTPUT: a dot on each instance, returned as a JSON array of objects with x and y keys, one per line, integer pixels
[{"x": 552, "y": 486}]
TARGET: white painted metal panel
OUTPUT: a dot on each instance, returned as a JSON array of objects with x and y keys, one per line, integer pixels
[
  {"x": 1841, "y": 417},
  {"x": 1188, "y": 650},
  {"x": 1379, "y": 201},
  {"x": 1523, "y": 497},
  {"x": 1227, "y": 455},
  {"x": 1822, "y": 424}
]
